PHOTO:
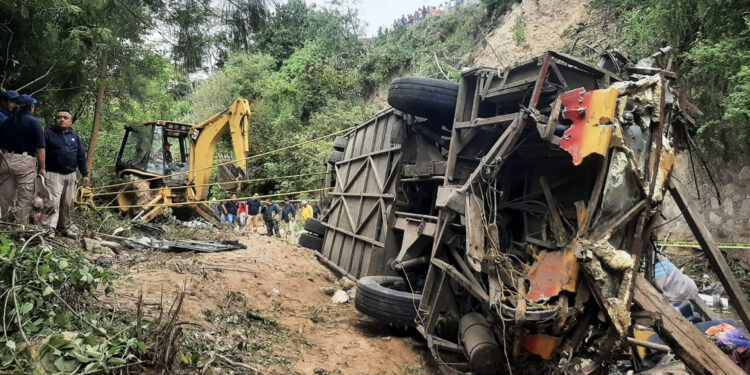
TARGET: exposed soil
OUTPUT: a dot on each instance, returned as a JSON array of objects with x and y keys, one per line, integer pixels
[
  {"x": 310, "y": 334},
  {"x": 532, "y": 27}
]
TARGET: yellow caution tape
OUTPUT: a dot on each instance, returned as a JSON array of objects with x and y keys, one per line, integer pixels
[{"x": 696, "y": 245}]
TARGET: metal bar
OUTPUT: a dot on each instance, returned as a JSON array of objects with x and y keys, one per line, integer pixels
[
  {"x": 513, "y": 86},
  {"x": 363, "y": 156},
  {"x": 333, "y": 266},
  {"x": 596, "y": 194},
  {"x": 346, "y": 232},
  {"x": 649, "y": 345},
  {"x": 591, "y": 68},
  {"x": 411, "y": 263},
  {"x": 475, "y": 102},
  {"x": 558, "y": 227},
  {"x": 559, "y": 75},
  {"x": 364, "y": 220},
  {"x": 715, "y": 258},
  {"x": 473, "y": 289},
  {"x": 546, "y": 59},
  {"x": 465, "y": 268},
  {"x": 613, "y": 225},
  {"x": 416, "y": 216},
  {"x": 487, "y": 121}
]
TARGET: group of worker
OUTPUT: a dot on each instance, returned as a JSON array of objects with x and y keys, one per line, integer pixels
[
  {"x": 247, "y": 216},
  {"x": 28, "y": 152}
]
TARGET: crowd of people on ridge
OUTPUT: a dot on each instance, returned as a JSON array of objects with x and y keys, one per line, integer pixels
[{"x": 425, "y": 11}]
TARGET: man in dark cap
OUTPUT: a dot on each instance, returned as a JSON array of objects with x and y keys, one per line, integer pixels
[
  {"x": 269, "y": 213},
  {"x": 8, "y": 104},
  {"x": 22, "y": 145},
  {"x": 65, "y": 155},
  {"x": 289, "y": 217}
]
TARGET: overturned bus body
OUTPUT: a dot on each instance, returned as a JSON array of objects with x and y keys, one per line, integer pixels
[{"x": 507, "y": 217}]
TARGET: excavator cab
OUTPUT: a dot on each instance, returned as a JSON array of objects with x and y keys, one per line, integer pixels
[
  {"x": 165, "y": 164},
  {"x": 155, "y": 149}
]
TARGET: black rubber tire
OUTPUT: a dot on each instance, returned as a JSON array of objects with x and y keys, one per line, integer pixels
[
  {"x": 339, "y": 144},
  {"x": 311, "y": 241},
  {"x": 315, "y": 227},
  {"x": 375, "y": 298},
  {"x": 336, "y": 156},
  {"x": 424, "y": 97}
]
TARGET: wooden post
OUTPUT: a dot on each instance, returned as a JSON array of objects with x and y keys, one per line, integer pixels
[
  {"x": 715, "y": 258},
  {"x": 98, "y": 110}
]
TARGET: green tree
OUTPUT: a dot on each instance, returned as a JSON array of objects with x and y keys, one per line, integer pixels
[{"x": 712, "y": 39}]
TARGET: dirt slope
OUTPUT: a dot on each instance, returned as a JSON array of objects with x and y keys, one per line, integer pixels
[
  {"x": 535, "y": 26},
  {"x": 342, "y": 341}
]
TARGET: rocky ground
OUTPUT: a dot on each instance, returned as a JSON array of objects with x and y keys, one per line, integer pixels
[{"x": 264, "y": 308}]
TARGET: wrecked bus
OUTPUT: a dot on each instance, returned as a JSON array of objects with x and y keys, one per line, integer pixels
[{"x": 509, "y": 217}]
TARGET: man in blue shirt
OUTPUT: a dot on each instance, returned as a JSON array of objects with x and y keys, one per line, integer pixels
[
  {"x": 289, "y": 216},
  {"x": 21, "y": 145},
  {"x": 8, "y": 103},
  {"x": 270, "y": 211},
  {"x": 253, "y": 213},
  {"x": 65, "y": 155}
]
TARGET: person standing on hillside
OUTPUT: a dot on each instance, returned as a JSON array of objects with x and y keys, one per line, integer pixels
[
  {"x": 22, "y": 146},
  {"x": 315, "y": 210},
  {"x": 65, "y": 155},
  {"x": 229, "y": 211},
  {"x": 8, "y": 103},
  {"x": 270, "y": 211},
  {"x": 253, "y": 213},
  {"x": 307, "y": 211},
  {"x": 289, "y": 217},
  {"x": 241, "y": 216}
]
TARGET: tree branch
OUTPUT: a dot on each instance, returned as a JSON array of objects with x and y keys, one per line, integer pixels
[
  {"x": 38, "y": 78},
  {"x": 438, "y": 65},
  {"x": 7, "y": 54}
]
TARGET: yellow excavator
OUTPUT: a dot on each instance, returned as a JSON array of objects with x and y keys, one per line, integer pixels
[{"x": 165, "y": 164}]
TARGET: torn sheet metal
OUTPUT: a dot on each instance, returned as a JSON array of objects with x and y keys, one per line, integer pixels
[
  {"x": 591, "y": 113},
  {"x": 553, "y": 272},
  {"x": 202, "y": 246},
  {"x": 541, "y": 345}
]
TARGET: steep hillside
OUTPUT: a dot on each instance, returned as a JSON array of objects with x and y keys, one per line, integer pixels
[{"x": 534, "y": 26}]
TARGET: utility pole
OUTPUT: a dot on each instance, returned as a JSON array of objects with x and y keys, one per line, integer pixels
[{"x": 98, "y": 110}]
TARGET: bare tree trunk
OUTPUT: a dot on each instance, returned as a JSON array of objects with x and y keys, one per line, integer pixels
[{"x": 98, "y": 110}]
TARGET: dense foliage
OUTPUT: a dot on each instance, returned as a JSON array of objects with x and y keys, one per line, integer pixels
[
  {"x": 712, "y": 39},
  {"x": 307, "y": 70},
  {"x": 46, "y": 286},
  {"x": 304, "y": 84}
]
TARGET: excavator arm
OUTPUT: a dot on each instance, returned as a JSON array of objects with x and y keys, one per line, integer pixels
[{"x": 205, "y": 136}]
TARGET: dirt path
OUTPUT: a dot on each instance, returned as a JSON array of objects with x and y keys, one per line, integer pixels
[{"x": 230, "y": 294}]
